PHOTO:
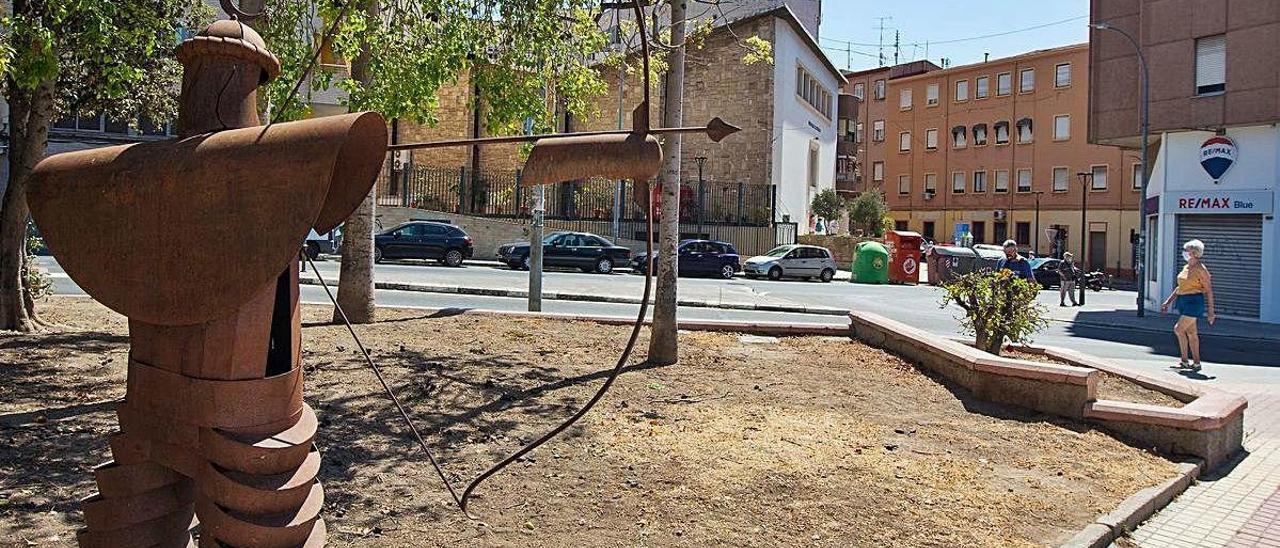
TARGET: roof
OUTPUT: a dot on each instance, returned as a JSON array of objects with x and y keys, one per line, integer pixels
[{"x": 1020, "y": 57}]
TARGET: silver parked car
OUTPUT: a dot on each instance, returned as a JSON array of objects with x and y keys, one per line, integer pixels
[{"x": 792, "y": 261}]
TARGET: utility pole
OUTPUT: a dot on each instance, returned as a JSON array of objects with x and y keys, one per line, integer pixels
[
  {"x": 1038, "y": 193},
  {"x": 880, "y": 43},
  {"x": 897, "y": 47},
  {"x": 535, "y": 239},
  {"x": 617, "y": 190},
  {"x": 1084, "y": 229}
]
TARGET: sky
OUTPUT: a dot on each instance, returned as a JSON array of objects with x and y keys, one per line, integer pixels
[{"x": 1060, "y": 22}]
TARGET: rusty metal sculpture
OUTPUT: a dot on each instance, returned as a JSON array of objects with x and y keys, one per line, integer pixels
[{"x": 194, "y": 240}]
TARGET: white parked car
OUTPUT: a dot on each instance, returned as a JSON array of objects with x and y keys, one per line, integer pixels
[{"x": 792, "y": 261}]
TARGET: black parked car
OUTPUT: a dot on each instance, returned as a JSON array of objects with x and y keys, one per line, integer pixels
[
  {"x": 588, "y": 252},
  {"x": 423, "y": 240},
  {"x": 700, "y": 258},
  {"x": 1046, "y": 271}
]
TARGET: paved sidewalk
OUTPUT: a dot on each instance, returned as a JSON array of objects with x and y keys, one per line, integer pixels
[{"x": 1239, "y": 505}]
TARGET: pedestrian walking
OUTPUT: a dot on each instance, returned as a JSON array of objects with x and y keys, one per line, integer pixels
[
  {"x": 1067, "y": 274},
  {"x": 1016, "y": 263},
  {"x": 1193, "y": 299}
]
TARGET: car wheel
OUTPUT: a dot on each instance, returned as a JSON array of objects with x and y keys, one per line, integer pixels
[
  {"x": 453, "y": 257},
  {"x": 727, "y": 272},
  {"x": 604, "y": 265},
  {"x": 313, "y": 250},
  {"x": 775, "y": 273},
  {"x": 377, "y": 254},
  {"x": 827, "y": 275}
]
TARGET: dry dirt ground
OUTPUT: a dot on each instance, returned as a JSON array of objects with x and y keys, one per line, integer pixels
[
  {"x": 807, "y": 441},
  {"x": 1111, "y": 387}
]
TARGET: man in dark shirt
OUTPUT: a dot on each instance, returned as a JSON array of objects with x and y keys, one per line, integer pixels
[{"x": 1015, "y": 263}]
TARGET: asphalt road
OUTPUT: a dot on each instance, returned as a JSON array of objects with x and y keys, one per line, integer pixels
[{"x": 1228, "y": 358}]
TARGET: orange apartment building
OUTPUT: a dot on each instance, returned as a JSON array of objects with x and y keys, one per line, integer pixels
[{"x": 977, "y": 147}]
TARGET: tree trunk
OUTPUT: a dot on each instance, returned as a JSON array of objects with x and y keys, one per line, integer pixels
[
  {"x": 662, "y": 342},
  {"x": 29, "y": 114},
  {"x": 355, "y": 284}
]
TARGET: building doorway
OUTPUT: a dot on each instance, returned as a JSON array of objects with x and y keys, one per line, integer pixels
[
  {"x": 1002, "y": 232},
  {"x": 928, "y": 230},
  {"x": 1097, "y": 251},
  {"x": 1233, "y": 254},
  {"x": 979, "y": 232}
]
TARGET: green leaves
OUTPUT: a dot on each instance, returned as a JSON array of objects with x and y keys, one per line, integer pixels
[
  {"x": 828, "y": 204},
  {"x": 998, "y": 306},
  {"x": 867, "y": 212}
]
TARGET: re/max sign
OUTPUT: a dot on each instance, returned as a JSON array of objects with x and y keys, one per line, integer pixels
[{"x": 1222, "y": 202}]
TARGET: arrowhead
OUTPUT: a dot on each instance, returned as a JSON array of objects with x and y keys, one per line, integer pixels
[{"x": 718, "y": 129}]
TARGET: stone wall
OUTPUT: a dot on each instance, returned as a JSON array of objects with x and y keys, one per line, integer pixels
[{"x": 841, "y": 246}]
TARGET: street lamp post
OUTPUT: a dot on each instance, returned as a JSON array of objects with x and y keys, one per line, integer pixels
[
  {"x": 701, "y": 161},
  {"x": 1141, "y": 265},
  {"x": 1038, "y": 193},
  {"x": 1085, "y": 178}
]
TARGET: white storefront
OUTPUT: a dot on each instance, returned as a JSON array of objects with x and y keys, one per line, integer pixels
[{"x": 1233, "y": 214}]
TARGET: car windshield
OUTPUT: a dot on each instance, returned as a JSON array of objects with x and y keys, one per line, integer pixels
[
  {"x": 779, "y": 251},
  {"x": 551, "y": 237}
]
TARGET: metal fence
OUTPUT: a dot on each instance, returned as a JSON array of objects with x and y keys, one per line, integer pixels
[{"x": 708, "y": 209}]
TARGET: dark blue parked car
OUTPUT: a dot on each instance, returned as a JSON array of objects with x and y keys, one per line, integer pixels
[
  {"x": 423, "y": 240},
  {"x": 701, "y": 258}
]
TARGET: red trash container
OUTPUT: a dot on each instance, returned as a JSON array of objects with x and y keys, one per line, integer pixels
[{"x": 904, "y": 256}]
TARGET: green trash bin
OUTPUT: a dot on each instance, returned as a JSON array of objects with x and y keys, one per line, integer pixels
[{"x": 870, "y": 263}]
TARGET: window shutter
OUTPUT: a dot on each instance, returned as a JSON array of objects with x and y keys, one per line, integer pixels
[{"x": 1211, "y": 63}]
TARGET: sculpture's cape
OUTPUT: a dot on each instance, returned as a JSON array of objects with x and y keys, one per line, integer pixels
[{"x": 183, "y": 231}]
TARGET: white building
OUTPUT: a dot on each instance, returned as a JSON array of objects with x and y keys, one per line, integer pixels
[{"x": 1233, "y": 215}]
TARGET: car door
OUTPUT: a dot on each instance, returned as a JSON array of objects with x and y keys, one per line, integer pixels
[
  {"x": 690, "y": 258},
  {"x": 560, "y": 252},
  {"x": 400, "y": 243},
  {"x": 432, "y": 243},
  {"x": 793, "y": 262},
  {"x": 590, "y": 249}
]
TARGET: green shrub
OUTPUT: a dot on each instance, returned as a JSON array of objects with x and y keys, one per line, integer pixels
[{"x": 998, "y": 307}]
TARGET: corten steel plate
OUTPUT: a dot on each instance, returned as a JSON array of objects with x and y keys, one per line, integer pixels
[
  {"x": 183, "y": 231},
  {"x": 632, "y": 156}
]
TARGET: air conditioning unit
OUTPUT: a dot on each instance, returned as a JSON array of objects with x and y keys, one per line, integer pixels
[
  {"x": 999, "y": 214},
  {"x": 928, "y": 196}
]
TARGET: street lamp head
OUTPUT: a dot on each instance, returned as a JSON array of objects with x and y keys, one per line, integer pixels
[{"x": 1101, "y": 25}]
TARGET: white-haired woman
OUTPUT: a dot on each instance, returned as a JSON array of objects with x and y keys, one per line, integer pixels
[{"x": 1193, "y": 299}]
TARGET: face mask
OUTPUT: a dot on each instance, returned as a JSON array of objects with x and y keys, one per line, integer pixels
[{"x": 1186, "y": 256}]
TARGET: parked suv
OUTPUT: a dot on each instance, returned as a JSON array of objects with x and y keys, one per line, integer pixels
[
  {"x": 423, "y": 240},
  {"x": 792, "y": 261},
  {"x": 581, "y": 250},
  {"x": 700, "y": 258}
]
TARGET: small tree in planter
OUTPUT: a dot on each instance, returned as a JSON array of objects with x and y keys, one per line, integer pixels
[
  {"x": 998, "y": 306},
  {"x": 828, "y": 204}
]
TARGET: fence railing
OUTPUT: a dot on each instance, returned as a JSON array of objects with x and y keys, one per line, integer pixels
[{"x": 499, "y": 194}]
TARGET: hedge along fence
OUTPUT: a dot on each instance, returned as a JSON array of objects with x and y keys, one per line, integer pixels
[
  {"x": 841, "y": 246},
  {"x": 1210, "y": 427}
]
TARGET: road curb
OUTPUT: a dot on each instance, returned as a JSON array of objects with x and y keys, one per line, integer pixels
[
  {"x": 1169, "y": 331},
  {"x": 580, "y": 297},
  {"x": 1134, "y": 510}
]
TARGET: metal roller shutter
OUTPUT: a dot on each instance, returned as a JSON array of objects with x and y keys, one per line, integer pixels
[{"x": 1233, "y": 255}]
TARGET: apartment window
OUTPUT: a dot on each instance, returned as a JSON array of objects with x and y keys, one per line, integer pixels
[
  {"x": 1062, "y": 127},
  {"x": 931, "y": 139},
  {"x": 931, "y": 95},
  {"x": 904, "y": 99},
  {"x": 1211, "y": 64},
  {"x": 857, "y": 133},
  {"x": 1022, "y": 231},
  {"x": 1062, "y": 75},
  {"x": 930, "y": 183},
  {"x": 979, "y": 181},
  {"x": 1137, "y": 176},
  {"x": 904, "y": 185},
  {"x": 1004, "y": 83},
  {"x": 1027, "y": 80},
  {"x": 1060, "y": 179},
  {"x": 904, "y": 141},
  {"x": 962, "y": 91},
  {"x": 879, "y": 90},
  {"x": 957, "y": 182},
  {"x": 1002, "y": 133},
  {"x": 877, "y": 171},
  {"x": 1099, "y": 178},
  {"x": 813, "y": 92},
  {"x": 1024, "y": 130},
  {"x": 1024, "y": 180},
  {"x": 877, "y": 131},
  {"x": 979, "y": 135},
  {"x": 1002, "y": 181},
  {"x": 983, "y": 85},
  {"x": 958, "y": 136},
  {"x": 860, "y": 91}
]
